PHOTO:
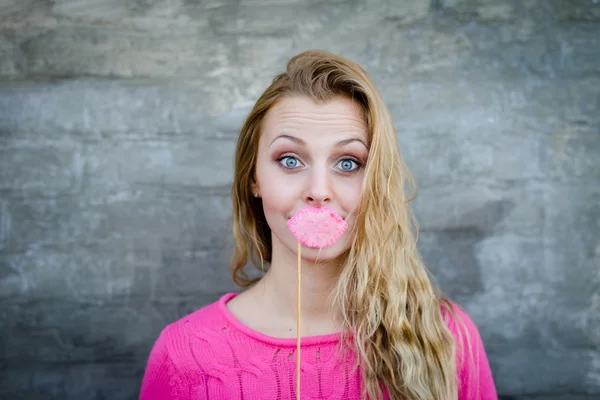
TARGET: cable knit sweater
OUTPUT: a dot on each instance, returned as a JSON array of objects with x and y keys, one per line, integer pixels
[{"x": 210, "y": 355}]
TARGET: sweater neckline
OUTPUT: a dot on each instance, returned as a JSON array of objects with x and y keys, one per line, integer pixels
[{"x": 271, "y": 340}]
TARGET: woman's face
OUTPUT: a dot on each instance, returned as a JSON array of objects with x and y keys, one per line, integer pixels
[{"x": 311, "y": 155}]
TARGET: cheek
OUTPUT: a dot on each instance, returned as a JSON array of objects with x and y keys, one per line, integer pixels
[
  {"x": 272, "y": 201},
  {"x": 273, "y": 186},
  {"x": 348, "y": 194},
  {"x": 267, "y": 176},
  {"x": 276, "y": 191}
]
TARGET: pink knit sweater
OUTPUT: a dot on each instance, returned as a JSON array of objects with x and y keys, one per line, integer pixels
[{"x": 210, "y": 355}]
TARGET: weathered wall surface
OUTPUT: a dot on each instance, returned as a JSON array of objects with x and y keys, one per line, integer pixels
[{"x": 117, "y": 127}]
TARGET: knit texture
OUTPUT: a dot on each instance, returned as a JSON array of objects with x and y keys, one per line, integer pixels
[{"x": 210, "y": 355}]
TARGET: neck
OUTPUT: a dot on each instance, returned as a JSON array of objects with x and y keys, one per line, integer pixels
[{"x": 279, "y": 289}]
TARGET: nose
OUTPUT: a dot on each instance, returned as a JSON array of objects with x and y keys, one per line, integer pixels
[{"x": 318, "y": 188}]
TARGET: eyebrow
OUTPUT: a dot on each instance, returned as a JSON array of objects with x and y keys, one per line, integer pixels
[{"x": 301, "y": 142}]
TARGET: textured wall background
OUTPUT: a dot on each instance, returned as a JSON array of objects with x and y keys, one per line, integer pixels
[{"x": 118, "y": 120}]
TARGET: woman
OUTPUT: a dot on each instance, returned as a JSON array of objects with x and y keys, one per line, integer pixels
[{"x": 373, "y": 325}]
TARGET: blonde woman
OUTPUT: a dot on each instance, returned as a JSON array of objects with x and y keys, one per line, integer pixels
[{"x": 373, "y": 326}]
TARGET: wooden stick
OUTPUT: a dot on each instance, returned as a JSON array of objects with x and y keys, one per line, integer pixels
[{"x": 298, "y": 327}]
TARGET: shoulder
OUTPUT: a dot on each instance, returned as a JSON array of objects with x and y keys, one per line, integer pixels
[
  {"x": 172, "y": 365},
  {"x": 173, "y": 342},
  {"x": 459, "y": 323},
  {"x": 209, "y": 317},
  {"x": 472, "y": 365}
]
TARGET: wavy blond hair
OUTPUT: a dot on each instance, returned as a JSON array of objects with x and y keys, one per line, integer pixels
[{"x": 388, "y": 303}]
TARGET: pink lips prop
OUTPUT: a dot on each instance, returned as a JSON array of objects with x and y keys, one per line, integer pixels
[{"x": 317, "y": 227}]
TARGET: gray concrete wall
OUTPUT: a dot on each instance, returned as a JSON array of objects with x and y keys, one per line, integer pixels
[{"x": 118, "y": 120}]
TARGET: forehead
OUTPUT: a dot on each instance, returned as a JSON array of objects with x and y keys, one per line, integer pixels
[{"x": 302, "y": 115}]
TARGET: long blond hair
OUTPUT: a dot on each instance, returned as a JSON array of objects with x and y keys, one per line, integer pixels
[{"x": 387, "y": 300}]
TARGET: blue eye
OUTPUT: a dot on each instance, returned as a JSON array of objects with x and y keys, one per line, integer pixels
[
  {"x": 348, "y": 165},
  {"x": 289, "y": 162}
]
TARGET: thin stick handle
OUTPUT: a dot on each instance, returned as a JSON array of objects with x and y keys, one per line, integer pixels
[{"x": 298, "y": 327}]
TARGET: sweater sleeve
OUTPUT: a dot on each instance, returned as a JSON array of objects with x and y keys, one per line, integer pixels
[
  {"x": 473, "y": 369},
  {"x": 157, "y": 383}
]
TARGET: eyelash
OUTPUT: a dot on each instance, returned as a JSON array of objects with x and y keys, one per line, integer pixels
[{"x": 359, "y": 165}]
